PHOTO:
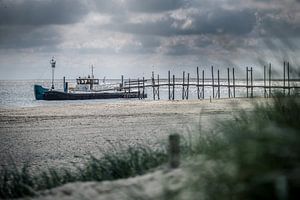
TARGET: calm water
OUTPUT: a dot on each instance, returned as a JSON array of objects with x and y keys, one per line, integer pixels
[{"x": 19, "y": 93}]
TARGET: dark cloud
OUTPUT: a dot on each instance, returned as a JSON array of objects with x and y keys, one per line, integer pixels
[
  {"x": 45, "y": 12},
  {"x": 278, "y": 26},
  {"x": 16, "y": 37},
  {"x": 180, "y": 49},
  {"x": 215, "y": 22},
  {"x": 225, "y": 22},
  {"x": 114, "y": 7},
  {"x": 32, "y": 23},
  {"x": 154, "y": 5},
  {"x": 147, "y": 44},
  {"x": 147, "y": 6}
]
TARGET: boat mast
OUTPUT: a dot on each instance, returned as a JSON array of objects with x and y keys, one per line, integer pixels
[
  {"x": 92, "y": 80},
  {"x": 52, "y": 62}
]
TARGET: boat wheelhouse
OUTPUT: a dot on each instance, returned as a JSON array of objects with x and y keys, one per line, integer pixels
[{"x": 86, "y": 84}]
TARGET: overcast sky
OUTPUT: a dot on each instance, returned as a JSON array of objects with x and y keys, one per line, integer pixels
[{"x": 134, "y": 37}]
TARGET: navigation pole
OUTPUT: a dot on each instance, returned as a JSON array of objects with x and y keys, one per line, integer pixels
[{"x": 52, "y": 62}]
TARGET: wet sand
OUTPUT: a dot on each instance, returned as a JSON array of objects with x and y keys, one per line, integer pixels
[{"x": 61, "y": 136}]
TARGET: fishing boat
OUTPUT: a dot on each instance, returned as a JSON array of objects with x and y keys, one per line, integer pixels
[{"x": 84, "y": 90}]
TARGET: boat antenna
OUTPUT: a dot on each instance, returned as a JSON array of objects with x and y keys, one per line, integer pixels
[
  {"x": 92, "y": 71},
  {"x": 52, "y": 62}
]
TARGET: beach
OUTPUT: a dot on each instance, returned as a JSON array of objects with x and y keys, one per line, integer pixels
[{"x": 66, "y": 135}]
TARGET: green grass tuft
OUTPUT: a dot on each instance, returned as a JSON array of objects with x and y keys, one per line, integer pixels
[
  {"x": 254, "y": 156},
  {"x": 15, "y": 183}
]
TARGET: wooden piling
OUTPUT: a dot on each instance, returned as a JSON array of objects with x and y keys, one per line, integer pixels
[
  {"x": 251, "y": 82},
  {"x": 67, "y": 87},
  {"x": 228, "y": 79},
  {"x": 169, "y": 86},
  {"x": 233, "y": 81},
  {"x": 203, "y": 84},
  {"x": 174, "y": 151},
  {"x": 64, "y": 83},
  {"x": 139, "y": 92},
  {"x": 219, "y": 84},
  {"x": 187, "y": 87},
  {"x": 247, "y": 81},
  {"x": 153, "y": 86},
  {"x": 284, "y": 78},
  {"x": 173, "y": 90},
  {"x": 270, "y": 79},
  {"x": 122, "y": 81},
  {"x": 212, "y": 81},
  {"x": 288, "y": 77},
  {"x": 265, "y": 82},
  {"x": 198, "y": 89},
  {"x": 143, "y": 87},
  {"x": 183, "y": 84},
  {"x": 129, "y": 86},
  {"x": 158, "y": 87}
]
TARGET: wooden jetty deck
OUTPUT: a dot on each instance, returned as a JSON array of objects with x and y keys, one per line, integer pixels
[{"x": 185, "y": 83}]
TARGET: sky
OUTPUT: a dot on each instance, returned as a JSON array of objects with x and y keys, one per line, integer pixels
[{"x": 135, "y": 37}]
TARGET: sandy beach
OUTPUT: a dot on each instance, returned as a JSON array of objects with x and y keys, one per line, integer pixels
[{"x": 63, "y": 136}]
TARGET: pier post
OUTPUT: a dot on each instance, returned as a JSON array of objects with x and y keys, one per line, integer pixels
[
  {"x": 288, "y": 77},
  {"x": 129, "y": 86},
  {"x": 265, "y": 83},
  {"x": 153, "y": 88},
  {"x": 183, "y": 85},
  {"x": 212, "y": 81},
  {"x": 284, "y": 78},
  {"x": 228, "y": 79},
  {"x": 198, "y": 89},
  {"x": 233, "y": 81},
  {"x": 143, "y": 87},
  {"x": 173, "y": 90},
  {"x": 203, "y": 84},
  {"x": 247, "y": 82},
  {"x": 158, "y": 87},
  {"x": 64, "y": 83},
  {"x": 219, "y": 84},
  {"x": 169, "y": 86},
  {"x": 122, "y": 81},
  {"x": 139, "y": 93},
  {"x": 174, "y": 151},
  {"x": 188, "y": 85},
  {"x": 270, "y": 79},
  {"x": 251, "y": 82},
  {"x": 67, "y": 87}
]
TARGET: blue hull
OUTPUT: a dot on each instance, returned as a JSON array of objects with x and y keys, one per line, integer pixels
[{"x": 39, "y": 92}]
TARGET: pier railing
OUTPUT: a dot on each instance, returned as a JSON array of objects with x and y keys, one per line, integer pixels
[{"x": 201, "y": 83}]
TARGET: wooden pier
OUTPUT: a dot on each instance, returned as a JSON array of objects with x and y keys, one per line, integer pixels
[{"x": 201, "y": 83}]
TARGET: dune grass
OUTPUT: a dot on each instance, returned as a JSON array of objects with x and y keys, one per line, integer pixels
[
  {"x": 133, "y": 161},
  {"x": 254, "y": 156}
]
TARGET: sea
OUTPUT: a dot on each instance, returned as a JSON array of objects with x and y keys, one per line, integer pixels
[{"x": 19, "y": 93}]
